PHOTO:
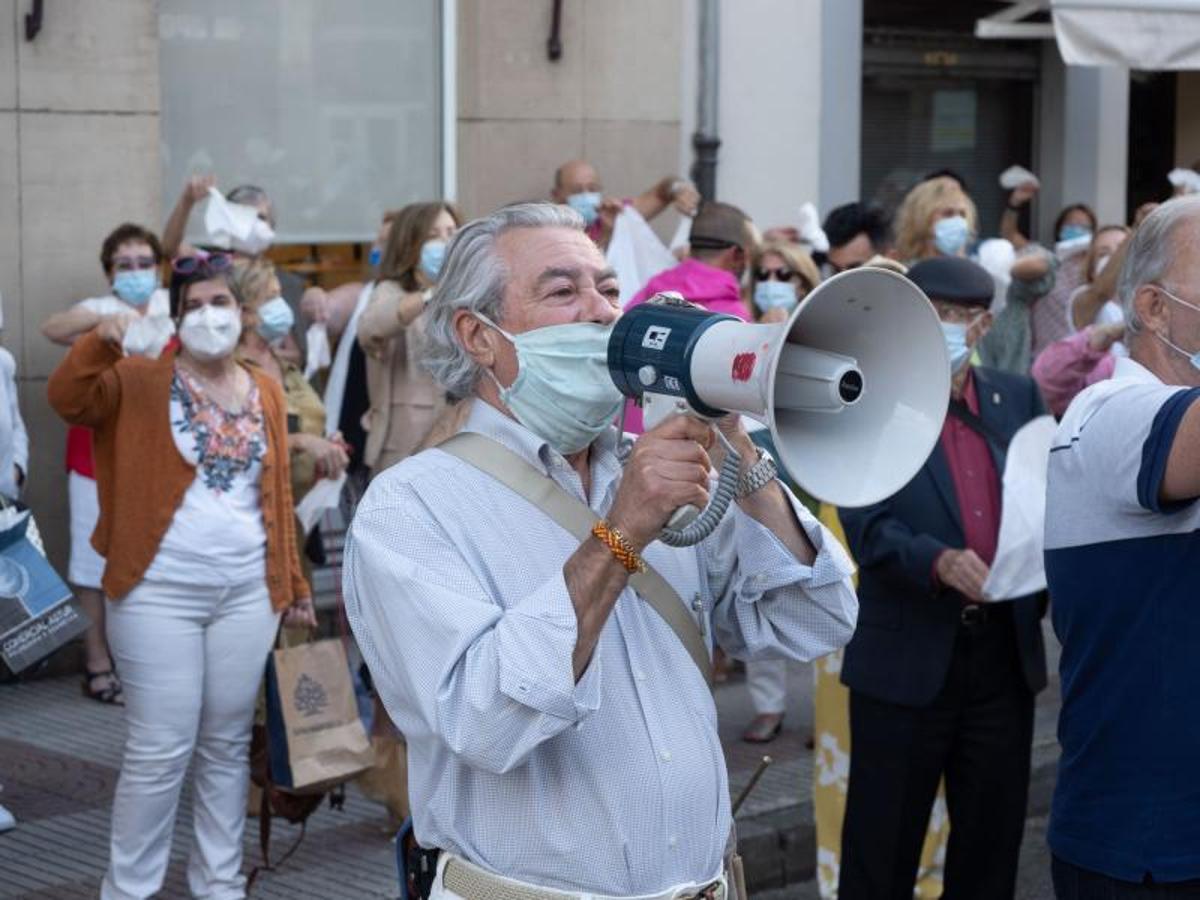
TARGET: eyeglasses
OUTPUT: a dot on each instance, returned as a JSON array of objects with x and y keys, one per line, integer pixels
[
  {"x": 209, "y": 263},
  {"x": 134, "y": 263},
  {"x": 782, "y": 274}
]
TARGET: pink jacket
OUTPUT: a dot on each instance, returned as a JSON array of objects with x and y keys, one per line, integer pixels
[
  {"x": 1067, "y": 366},
  {"x": 714, "y": 289}
]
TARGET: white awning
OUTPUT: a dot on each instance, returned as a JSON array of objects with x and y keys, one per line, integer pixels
[{"x": 1157, "y": 35}]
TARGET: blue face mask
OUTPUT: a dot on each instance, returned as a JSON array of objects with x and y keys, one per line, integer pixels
[
  {"x": 563, "y": 392},
  {"x": 774, "y": 295},
  {"x": 950, "y": 235},
  {"x": 275, "y": 320},
  {"x": 957, "y": 348},
  {"x": 1194, "y": 358},
  {"x": 587, "y": 204},
  {"x": 375, "y": 256},
  {"x": 135, "y": 287},
  {"x": 433, "y": 254},
  {"x": 1074, "y": 232}
]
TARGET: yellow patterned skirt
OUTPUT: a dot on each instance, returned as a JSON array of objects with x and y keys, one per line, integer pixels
[{"x": 831, "y": 773}]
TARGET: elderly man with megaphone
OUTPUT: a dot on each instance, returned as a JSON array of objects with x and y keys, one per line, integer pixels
[{"x": 546, "y": 657}]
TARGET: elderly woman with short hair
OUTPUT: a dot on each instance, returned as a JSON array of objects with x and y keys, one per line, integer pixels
[{"x": 197, "y": 532}]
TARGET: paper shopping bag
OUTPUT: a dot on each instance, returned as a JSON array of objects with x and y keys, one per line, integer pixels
[{"x": 316, "y": 738}]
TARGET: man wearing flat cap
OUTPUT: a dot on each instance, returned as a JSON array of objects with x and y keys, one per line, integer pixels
[{"x": 941, "y": 682}]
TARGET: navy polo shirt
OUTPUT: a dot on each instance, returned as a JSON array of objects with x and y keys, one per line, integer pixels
[{"x": 1124, "y": 578}]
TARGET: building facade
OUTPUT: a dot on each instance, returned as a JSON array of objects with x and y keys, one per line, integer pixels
[{"x": 342, "y": 110}]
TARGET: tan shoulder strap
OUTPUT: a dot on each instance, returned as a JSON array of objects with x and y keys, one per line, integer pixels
[{"x": 576, "y": 518}]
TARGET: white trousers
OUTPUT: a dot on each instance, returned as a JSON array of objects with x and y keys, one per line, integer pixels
[
  {"x": 766, "y": 679},
  {"x": 191, "y": 659}
]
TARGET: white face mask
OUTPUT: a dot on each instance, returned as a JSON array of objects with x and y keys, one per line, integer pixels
[{"x": 211, "y": 332}]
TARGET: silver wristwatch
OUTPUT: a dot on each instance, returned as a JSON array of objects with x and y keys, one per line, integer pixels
[{"x": 758, "y": 475}]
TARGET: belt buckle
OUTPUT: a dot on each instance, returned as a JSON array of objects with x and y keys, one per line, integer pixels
[
  {"x": 973, "y": 615},
  {"x": 712, "y": 891}
]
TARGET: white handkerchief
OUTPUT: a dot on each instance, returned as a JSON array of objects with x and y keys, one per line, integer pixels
[
  {"x": 1015, "y": 176},
  {"x": 1019, "y": 568},
  {"x": 317, "y": 342},
  {"x": 321, "y": 496}
]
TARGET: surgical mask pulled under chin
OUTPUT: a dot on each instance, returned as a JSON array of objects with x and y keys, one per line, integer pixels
[
  {"x": 1193, "y": 358},
  {"x": 957, "y": 348},
  {"x": 950, "y": 235},
  {"x": 211, "y": 332},
  {"x": 562, "y": 392}
]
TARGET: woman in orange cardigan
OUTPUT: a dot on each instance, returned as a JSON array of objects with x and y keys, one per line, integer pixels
[{"x": 196, "y": 529}]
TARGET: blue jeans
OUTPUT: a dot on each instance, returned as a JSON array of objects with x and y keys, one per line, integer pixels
[{"x": 1074, "y": 883}]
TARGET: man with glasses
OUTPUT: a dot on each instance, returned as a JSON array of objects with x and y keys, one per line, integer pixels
[
  {"x": 942, "y": 682},
  {"x": 1123, "y": 565}
]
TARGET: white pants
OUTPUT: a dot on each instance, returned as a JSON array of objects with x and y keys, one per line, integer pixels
[
  {"x": 191, "y": 659},
  {"x": 766, "y": 679},
  {"x": 85, "y": 566}
]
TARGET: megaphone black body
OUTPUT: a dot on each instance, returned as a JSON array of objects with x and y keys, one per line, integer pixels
[{"x": 853, "y": 387}]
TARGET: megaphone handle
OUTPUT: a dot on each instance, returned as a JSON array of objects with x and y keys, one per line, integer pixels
[
  {"x": 708, "y": 521},
  {"x": 683, "y": 516}
]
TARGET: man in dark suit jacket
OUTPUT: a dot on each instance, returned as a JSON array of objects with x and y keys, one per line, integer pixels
[{"x": 941, "y": 683}]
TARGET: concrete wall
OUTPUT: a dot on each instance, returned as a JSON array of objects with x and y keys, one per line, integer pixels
[
  {"x": 78, "y": 155},
  {"x": 770, "y": 113},
  {"x": 613, "y": 98},
  {"x": 1187, "y": 119}
]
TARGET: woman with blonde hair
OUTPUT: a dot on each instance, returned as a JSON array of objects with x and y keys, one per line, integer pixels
[
  {"x": 783, "y": 274},
  {"x": 266, "y": 322},
  {"x": 937, "y": 218},
  {"x": 404, "y": 400}
]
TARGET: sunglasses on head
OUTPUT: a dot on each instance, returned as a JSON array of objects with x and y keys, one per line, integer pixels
[
  {"x": 134, "y": 263},
  {"x": 204, "y": 263},
  {"x": 778, "y": 274}
]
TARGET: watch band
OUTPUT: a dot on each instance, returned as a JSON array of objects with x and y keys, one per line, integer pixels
[{"x": 758, "y": 475}]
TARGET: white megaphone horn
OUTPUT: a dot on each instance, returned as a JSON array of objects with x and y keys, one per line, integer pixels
[{"x": 853, "y": 387}]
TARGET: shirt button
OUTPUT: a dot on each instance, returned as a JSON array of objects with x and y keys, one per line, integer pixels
[
  {"x": 673, "y": 842},
  {"x": 639, "y": 675},
  {"x": 665, "y": 755}
]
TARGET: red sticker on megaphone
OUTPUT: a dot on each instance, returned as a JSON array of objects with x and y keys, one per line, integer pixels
[{"x": 743, "y": 366}]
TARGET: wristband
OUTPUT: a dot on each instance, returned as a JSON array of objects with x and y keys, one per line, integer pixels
[{"x": 619, "y": 546}]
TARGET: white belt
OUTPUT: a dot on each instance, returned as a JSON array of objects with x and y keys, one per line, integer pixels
[{"x": 457, "y": 878}]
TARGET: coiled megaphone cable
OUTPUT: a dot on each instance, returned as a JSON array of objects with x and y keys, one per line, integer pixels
[{"x": 706, "y": 523}]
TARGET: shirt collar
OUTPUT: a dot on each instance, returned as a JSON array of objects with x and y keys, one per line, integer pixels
[
  {"x": 491, "y": 422},
  {"x": 1127, "y": 368}
]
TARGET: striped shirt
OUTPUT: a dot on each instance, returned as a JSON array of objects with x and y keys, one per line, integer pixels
[
  {"x": 615, "y": 784},
  {"x": 1124, "y": 577}
]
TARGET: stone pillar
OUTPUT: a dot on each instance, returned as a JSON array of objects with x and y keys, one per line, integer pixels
[
  {"x": 1083, "y": 140},
  {"x": 841, "y": 103},
  {"x": 79, "y": 154}
]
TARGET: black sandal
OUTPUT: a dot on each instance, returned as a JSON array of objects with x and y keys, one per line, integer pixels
[{"x": 112, "y": 693}]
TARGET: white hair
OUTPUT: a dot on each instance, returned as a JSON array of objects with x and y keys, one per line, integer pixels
[
  {"x": 1152, "y": 252},
  {"x": 474, "y": 278}
]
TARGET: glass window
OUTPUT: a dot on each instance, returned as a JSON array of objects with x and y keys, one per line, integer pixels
[{"x": 333, "y": 108}]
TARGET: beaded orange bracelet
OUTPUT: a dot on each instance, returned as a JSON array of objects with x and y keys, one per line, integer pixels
[{"x": 619, "y": 546}]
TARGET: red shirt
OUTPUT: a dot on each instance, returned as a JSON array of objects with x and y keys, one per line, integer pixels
[{"x": 976, "y": 482}]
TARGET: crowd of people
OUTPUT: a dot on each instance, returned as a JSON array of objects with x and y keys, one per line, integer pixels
[{"x": 516, "y": 655}]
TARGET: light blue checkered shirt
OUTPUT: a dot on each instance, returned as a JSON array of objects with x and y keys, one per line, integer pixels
[{"x": 616, "y": 784}]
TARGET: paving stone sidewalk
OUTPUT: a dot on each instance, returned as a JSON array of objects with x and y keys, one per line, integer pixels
[{"x": 60, "y": 754}]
